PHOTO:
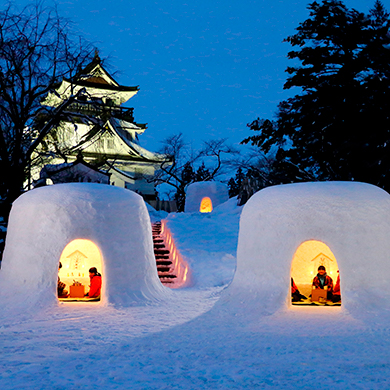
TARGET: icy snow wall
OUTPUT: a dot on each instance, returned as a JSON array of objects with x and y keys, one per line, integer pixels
[
  {"x": 353, "y": 219},
  {"x": 43, "y": 221},
  {"x": 216, "y": 191}
]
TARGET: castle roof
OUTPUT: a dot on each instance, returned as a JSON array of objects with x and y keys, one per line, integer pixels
[{"x": 97, "y": 82}]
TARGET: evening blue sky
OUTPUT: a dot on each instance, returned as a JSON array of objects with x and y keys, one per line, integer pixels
[{"x": 205, "y": 68}]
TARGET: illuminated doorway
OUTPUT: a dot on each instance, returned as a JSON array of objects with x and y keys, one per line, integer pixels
[
  {"x": 307, "y": 258},
  {"x": 206, "y": 206},
  {"x": 76, "y": 259}
]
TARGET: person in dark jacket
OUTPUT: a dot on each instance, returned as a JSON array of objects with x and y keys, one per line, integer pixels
[
  {"x": 96, "y": 283},
  {"x": 323, "y": 281}
]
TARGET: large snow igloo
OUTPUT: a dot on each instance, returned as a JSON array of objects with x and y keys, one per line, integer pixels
[
  {"x": 351, "y": 219},
  {"x": 204, "y": 196},
  {"x": 45, "y": 221}
]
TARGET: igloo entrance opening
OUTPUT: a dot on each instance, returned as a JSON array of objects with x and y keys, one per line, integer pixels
[
  {"x": 309, "y": 256},
  {"x": 206, "y": 205},
  {"x": 77, "y": 258}
]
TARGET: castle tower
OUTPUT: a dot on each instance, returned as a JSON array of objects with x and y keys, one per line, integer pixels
[{"x": 97, "y": 130}]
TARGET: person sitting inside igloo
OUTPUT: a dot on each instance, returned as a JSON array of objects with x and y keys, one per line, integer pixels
[
  {"x": 61, "y": 292},
  {"x": 336, "y": 290},
  {"x": 96, "y": 283},
  {"x": 296, "y": 296},
  {"x": 324, "y": 282}
]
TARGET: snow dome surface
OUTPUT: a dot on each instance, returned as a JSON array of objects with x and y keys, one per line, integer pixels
[
  {"x": 352, "y": 219},
  {"x": 216, "y": 191},
  {"x": 43, "y": 221}
]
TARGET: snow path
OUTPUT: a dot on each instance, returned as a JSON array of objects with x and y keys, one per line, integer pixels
[
  {"x": 208, "y": 242},
  {"x": 298, "y": 348},
  {"x": 197, "y": 340}
]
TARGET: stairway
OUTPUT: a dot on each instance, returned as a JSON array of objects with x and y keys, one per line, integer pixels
[{"x": 161, "y": 253}]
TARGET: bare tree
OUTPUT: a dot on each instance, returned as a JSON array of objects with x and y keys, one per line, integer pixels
[
  {"x": 172, "y": 170},
  {"x": 179, "y": 168},
  {"x": 37, "y": 50},
  {"x": 221, "y": 154}
]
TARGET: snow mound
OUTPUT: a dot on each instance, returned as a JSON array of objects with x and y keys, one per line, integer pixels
[
  {"x": 228, "y": 207},
  {"x": 43, "y": 221},
  {"x": 352, "y": 219},
  {"x": 216, "y": 191}
]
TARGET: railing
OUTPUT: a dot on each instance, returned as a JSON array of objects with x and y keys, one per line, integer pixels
[{"x": 99, "y": 108}]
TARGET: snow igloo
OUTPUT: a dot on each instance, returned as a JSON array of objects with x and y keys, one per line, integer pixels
[
  {"x": 84, "y": 225},
  {"x": 204, "y": 196},
  {"x": 348, "y": 221}
]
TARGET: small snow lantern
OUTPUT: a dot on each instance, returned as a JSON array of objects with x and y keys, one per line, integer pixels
[
  {"x": 206, "y": 205},
  {"x": 204, "y": 196}
]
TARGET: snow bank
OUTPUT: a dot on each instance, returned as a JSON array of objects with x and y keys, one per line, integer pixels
[
  {"x": 216, "y": 191},
  {"x": 208, "y": 242},
  {"x": 43, "y": 221},
  {"x": 352, "y": 219}
]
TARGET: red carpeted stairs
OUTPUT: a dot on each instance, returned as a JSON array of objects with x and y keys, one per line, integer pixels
[{"x": 161, "y": 253}]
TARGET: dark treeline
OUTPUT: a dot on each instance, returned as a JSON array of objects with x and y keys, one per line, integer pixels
[{"x": 337, "y": 127}]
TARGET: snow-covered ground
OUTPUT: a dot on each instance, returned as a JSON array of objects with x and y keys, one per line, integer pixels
[{"x": 196, "y": 340}]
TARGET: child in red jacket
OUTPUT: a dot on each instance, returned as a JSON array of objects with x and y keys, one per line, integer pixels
[{"x": 96, "y": 283}]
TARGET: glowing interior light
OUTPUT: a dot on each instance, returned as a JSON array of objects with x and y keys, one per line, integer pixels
[
  {"x": 77, "y": 256},
  {"x": 206, "y": 206},
  {"x": 307, "y": 258}
]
